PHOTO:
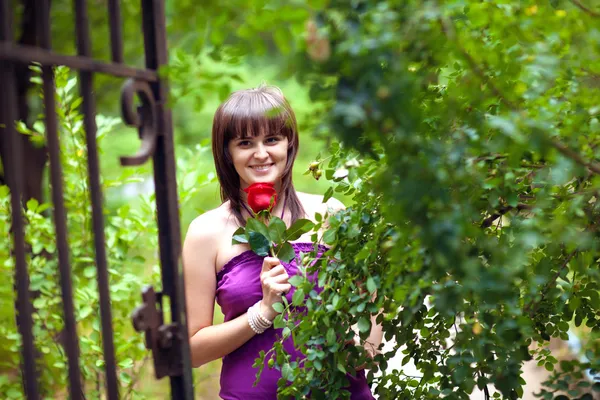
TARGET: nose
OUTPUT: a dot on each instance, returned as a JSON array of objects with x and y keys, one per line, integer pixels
[{"x": 261, "y": 152}]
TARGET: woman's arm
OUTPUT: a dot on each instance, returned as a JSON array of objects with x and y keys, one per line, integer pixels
[
  {"x": 375, "y": 337},
  {"x": 207, "y": 341}
]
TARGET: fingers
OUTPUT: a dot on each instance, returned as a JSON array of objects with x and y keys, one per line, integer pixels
[
  {"x": 277, "y": 285},
  {"x": 269, "y": 263},
  {"x": 281, "y": 289},
  {"x": 278, "y": 279},
  {"x": 278, "y": 270},
  {"x": 274, "y": 278}
]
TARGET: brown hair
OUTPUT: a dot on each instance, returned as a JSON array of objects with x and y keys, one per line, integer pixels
[{"x": 248, "y": 113}]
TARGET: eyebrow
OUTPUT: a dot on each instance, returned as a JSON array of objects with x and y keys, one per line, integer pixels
[{"x": 250, "y": 137}]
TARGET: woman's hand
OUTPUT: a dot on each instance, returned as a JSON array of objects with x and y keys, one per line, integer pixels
[
  {"x": 370, "y": 349},
  {"x": 274, "y": 282}
]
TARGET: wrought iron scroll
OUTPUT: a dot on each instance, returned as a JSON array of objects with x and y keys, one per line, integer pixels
[{"x": 143, "y": 118}]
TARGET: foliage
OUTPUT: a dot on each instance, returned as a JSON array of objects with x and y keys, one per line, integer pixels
[
  {"x": 475, "y": 196},
  {"x": 131, "y": 246},
  {"x": 268, "y": 235}
]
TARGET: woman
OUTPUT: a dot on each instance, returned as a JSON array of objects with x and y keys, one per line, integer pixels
[{"x": 254, "y": 139}]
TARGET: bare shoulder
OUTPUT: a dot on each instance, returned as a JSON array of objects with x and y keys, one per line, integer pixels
[
  {"x": 205, "y": 232},
  {"x": 209, "y": 224},
  {"x": 313, "y": 204}
]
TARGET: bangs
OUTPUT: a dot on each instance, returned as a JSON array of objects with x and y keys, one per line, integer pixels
[{"x": 251, "y": 114}]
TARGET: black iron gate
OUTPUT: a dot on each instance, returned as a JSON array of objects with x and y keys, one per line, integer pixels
[{"x": 168, "y": 342}]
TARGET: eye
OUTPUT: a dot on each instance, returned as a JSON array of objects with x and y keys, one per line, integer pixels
[
  {"x": 244, "y": 143},
  {"x": 272, "y": 139}
]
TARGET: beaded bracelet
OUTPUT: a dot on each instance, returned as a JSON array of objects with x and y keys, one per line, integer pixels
[
  {"x": 262, "y": 317},
  {"x": 261, "y": 321},
  {"x": 258, "y": 323}
]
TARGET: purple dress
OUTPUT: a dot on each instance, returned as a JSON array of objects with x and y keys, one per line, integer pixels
[{"x": 238, "y": 287}]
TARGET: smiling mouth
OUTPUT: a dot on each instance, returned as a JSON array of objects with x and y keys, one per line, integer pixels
[{"x": 261, "y": 167}]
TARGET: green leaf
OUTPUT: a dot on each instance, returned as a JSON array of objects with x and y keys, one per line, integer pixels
[
  {"x": 371, "y": 286},
  {"x": 254, "y": 225},
  {"x": 239, "y": 236},
  {"x": 341, "y": 367},
  {"x": 286, "y": 372},
  {"x": 298, "y": 228},
  {"x": 331, "y": 337},
  {"x": 277, "y": 230},
  {"x": 125, "y": 378},
  {"x": 259, "y": 244},
  {"x": 298, "y": 297},
  {"x": 278, "y": 307},
  {"x": 328, "y": 194},
  {"x": 278, "y": 322},
  {"x": 32, "y": 204},
  {"x": 296, "y": 280},
  {"x": 329, "y": 236},
  {"x": 126, "y": 363},
  {"x": 364, "y": 325},
  {"x": 286, "y": 252}
]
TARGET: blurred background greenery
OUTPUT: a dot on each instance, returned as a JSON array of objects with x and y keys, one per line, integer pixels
[
  {"x": 448, "y": 83},
  {"x": 192, "y": 127}
]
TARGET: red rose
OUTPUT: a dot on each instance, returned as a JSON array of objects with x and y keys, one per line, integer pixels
[{"x": 261, "y": 196}]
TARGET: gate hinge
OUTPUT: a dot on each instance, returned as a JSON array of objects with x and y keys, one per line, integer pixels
[{"x": 164, "y": 340}]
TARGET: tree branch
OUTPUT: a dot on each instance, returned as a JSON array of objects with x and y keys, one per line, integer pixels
[
  {"x": 503, "y": 210},
  {"x": 486, "y": 391},
  {"x": 573, "y": 155},
  {"x": 450, "y": 33},
  {"x": 585, "y": 9},
  {"x": 532, "y": 306}
]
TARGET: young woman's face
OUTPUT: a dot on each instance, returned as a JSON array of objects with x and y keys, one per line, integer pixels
[{"x": 259, "y": 159}]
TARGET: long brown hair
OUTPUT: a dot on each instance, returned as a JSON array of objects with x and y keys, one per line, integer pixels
[{"x": 249, "y": 113}]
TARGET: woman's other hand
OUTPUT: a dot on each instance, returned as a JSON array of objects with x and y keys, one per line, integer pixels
[{"x": 274, "y": 282}]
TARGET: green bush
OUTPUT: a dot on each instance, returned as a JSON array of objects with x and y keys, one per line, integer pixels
[{"x": 470, "y": 133}]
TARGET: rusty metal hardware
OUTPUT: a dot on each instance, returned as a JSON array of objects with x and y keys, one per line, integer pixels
[
  {"x": 162, "y": 339},
  {"x": 142, "y": 117}
]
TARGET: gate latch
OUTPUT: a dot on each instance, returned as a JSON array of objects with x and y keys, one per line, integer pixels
[{"x": 164, "y": 340}]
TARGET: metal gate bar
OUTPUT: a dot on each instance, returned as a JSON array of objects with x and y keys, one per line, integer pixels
[
  {"x": 26, "y": 54},
  {"x": 71, "y": 342},
  {"x": 168, "y": 342},
  {"x": 86, "y": 86},
  {"x": 14, "y": 178},
  {"x": 116, "y": 41},
  {"x": 155, "y": 44}
]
